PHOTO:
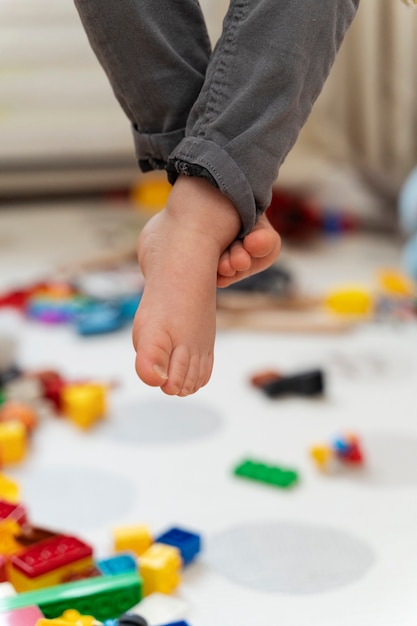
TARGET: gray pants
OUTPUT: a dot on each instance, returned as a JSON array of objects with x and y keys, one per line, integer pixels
[{"x": 231, "y": 114}]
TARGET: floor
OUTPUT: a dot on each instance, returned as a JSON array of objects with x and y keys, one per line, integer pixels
[{"x": 335, "y": 549}]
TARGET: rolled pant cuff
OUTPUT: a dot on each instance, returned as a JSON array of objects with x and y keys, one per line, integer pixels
[
  {"x": 194, "y": 155},
  {"x": 153, "y": 149}
]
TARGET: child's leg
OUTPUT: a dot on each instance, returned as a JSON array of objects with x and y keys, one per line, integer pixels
[
  {"x": 179, "y": 251},
  {"x": 155, "y": 54}
]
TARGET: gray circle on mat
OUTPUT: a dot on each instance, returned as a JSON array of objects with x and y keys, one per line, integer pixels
[
  {"x": 390, "y": 460},
  {"x": 288, "y": 557},
  {"x": 160, "y": 422},
  {"x": 76, "y": 498}
]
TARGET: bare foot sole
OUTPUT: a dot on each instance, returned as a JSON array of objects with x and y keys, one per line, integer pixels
[{"x": 179, "y": 250}]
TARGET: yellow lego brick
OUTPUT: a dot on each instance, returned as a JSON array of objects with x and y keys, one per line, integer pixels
[
  {"x": 160, "y": 568},
  {"x": 24, "y": 583},
  {"x": 8, "y": 530},
  {"x": 84, "y": 403},
  {"x": 321, "y": 455},
  {"x": 13, "y": 442},
  {"x": 350, "y": 301},
  {"x": 396, "y": 284},
  {"x": 9, "y": 489},
  {"x": 135, "y": 539},
  {"x": 69, "y": 618}
]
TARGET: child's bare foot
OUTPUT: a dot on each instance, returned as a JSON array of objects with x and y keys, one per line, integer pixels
[
  {"x": 255, "y": 253},
  {"x": 179, "y": 251}
]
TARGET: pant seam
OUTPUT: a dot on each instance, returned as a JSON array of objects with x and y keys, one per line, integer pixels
[{"x": 216, "y": 88}]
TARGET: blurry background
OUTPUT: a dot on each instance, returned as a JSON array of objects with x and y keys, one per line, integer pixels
[{"x": 62, "y": 130}]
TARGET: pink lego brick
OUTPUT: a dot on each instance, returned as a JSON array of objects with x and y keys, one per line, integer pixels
[{"x": 26, "y": 616}]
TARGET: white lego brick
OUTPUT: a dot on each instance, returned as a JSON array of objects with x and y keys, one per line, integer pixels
[{"x": 159, "y": 608}]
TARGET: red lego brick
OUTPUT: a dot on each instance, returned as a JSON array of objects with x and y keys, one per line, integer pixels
[
  {"x": 15, "y": 512},
  {"x": 50, "y": 554}
]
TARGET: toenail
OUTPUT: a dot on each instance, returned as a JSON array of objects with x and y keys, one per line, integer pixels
[{"x": 160, "y": 372}]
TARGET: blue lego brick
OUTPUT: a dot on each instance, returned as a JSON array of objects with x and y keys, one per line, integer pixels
[
  {"x": 341, "y": 446},
  {"x": 182, "y": 623},
  {"x": 121, "y": 563},
  {"x": 188, "y": 543},
  {"x": 99, "y": 318}
]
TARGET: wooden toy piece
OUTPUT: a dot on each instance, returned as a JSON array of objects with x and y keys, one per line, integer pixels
[
  {"x": 84, "y": 403},
  {"x": 309, "y": 383},
  {"x": 262, "y": 378},
  {"x": 136, "y": 539},
  {"x": 105, "y": 597},
  {"x": 9, "y": 489},
  {"x": 160, "y": 568},
  {"x": 13, "y": 442},
  {"x": 48, "y": 562},
  {"x": 26, "y": 616}
]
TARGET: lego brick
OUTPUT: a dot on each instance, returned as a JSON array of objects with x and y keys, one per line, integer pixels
[
  {"x": 84, "y": 403},
  {"x": 105, "y": 597},
  {"x": 136, "y": 539},
  {"x": 13, "y": 442},
  {"x": 128, "y": 619},
  {"x": 9, "y": 489},
  {"x": 19, "y": 411},
  {"x": 160, "y": 568},
  {"x": 26, "y": 616},
  {"x": 47, "y": 555},
  {"x": 6, "y": 589},
  {"x": 269, "y": 474},
  {"x": 159, "y": 608},
  {"x": 10, "y": 510},
  {"x": 117, "y": 564},
  {"x": 188, "y": 543},
  {"x": 69, "y": 617}
]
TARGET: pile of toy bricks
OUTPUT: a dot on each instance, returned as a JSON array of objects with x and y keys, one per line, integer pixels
[
  {"x": 55, "y": 303},
  {"x": 27, "y": 396},
  {"x": 345, "y": 451},
  {"x": 48, "y": 577}
]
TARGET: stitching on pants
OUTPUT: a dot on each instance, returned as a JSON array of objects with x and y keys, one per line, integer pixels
[{"x": 217, "y": 87}]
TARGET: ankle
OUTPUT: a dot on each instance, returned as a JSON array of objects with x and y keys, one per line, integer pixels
[{"x": 199, "y": 205}]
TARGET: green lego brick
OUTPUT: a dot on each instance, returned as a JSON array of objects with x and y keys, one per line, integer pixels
[
  {"x": 105, "y": 597},
  {"x": 269, "y": 474}
]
